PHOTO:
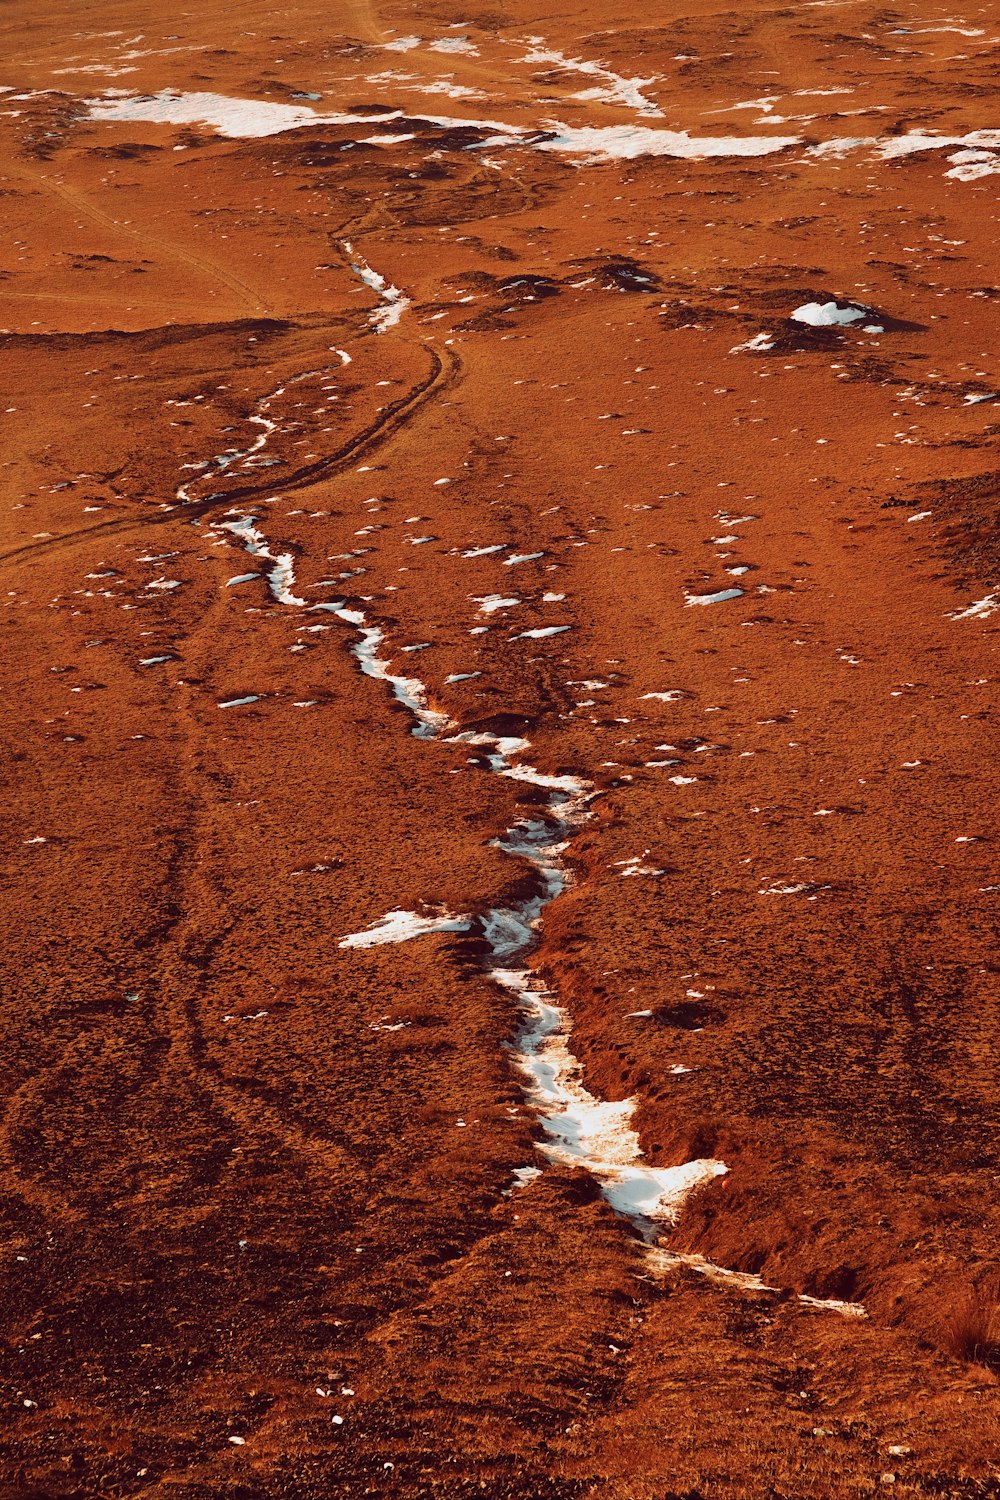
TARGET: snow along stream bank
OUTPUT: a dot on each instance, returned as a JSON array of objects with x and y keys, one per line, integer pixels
[{"x": 578, "y": 1128}]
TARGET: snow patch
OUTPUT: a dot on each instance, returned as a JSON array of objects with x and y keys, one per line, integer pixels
[{"x": 401, "y": 926}]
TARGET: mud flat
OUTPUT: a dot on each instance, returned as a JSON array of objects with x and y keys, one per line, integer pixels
[{"x": 500, "y": 531}]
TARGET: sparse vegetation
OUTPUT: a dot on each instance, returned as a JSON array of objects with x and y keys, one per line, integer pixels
[{"x": 972, "y": 1330}]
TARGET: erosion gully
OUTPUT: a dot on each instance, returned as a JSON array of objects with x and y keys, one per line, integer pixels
[{"x": 576, "y": 1128}]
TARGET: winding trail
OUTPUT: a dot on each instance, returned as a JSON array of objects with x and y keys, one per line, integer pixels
[{"x": 445, "y": 367}]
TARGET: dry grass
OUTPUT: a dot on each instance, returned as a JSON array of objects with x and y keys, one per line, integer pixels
[{"x": 972, "y": 1330}]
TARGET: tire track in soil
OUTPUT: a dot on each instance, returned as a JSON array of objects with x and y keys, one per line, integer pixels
[
  {"x": 78, "y": 200},
  {"x": 186, "y": 1062},
  {"x": 445, "y": 369},
  {"x": 182, "y": 973}
]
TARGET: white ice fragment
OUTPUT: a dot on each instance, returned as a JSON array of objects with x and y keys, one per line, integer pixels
[
  {"x": 720, "y": 597},
  {"x": 981, "y": 610},
  {"x": 396, "y": 302},
  {"x": 761, "y": 343},
  {"x": 612, "y": 88},
  {"x": 894, "y": 147},
  {"x": 246, "y": 119},
  {"x": 539, "y": 632},
  {"x": 400, "y": 926},
  {"x": 635, "y": 866},
  {"x": 833, "y": 1304},
  {"x": 489, "y": 603},
  {"x": 239, "y": 702},
  {"x": 585, "y": 1131},
  {"x": 656, "y": 1193},
  {"x": 281, "y": 575},
  {"x": 829, "y": 314}
]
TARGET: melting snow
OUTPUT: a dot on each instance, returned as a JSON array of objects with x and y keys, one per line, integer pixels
[
  {"x": 981, "y": 610},
  {"x": 578, "y": 1127},
  {"x": 761, "y": 343},
  {"x": 400, "y": 926},
  {"x": 396, "y": 302},
  {"x": 612, "y": 89},
  {"x": 829, "y": 314},
  {"x": 488, "y": 603},
  {"x": 717, "y": 598},
  {"x": 254, "y": 118}
]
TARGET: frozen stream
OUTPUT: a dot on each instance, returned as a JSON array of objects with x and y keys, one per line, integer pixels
[
  {"x": 578, "y": 1129},
  {"x": 394, "y": 302}
]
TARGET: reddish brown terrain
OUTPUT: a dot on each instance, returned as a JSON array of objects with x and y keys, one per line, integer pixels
[{"x": 394, "y": 804}]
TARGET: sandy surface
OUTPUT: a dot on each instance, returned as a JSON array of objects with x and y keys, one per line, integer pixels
[{"x": 380, "y": 370}]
